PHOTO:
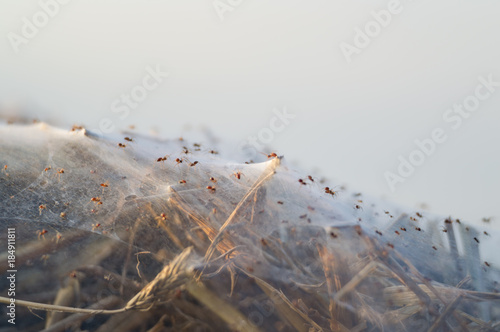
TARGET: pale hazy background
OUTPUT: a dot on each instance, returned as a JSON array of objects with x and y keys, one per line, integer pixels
[{"x": 352, "y": 120}]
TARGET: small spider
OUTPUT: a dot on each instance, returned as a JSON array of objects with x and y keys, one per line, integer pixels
[
  {"x": 330, "y": 192},
  {"x": 302, "y": 182},
  {"x": 47, "y": 169},
  {"x": 193, "y": 163},
  {"x": 95, "y": 226},
  {"x": 213, "y": 152},
  {"x": 162, "y": 159},
  {"x": 60, "y": 171},
  {"x": 213, "y": 179},
  {"x": 122, "y": 145},
  {"x": 129, "y": 139},
  {"x": 182, "y": 181},
  {"x": 271, "y": 155},
  {"x": 104, "y": 186},
  {"x": 76, "y": 127},
  {"x": 211, "y": 188},
  {"x": 42, "y": 233},
  {"x": 95, "y": 199},
  {"x": 161, "y": 219},
  {"x": 42, "y": 207},
  {"x": 310, "y": 178},
  {"x": 237, "y": 174}
]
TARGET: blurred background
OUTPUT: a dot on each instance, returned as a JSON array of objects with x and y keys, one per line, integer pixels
[{"x": 342, "y": 89}]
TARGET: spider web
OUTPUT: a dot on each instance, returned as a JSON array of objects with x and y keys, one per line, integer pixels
[{"x": 258, "y": 219}]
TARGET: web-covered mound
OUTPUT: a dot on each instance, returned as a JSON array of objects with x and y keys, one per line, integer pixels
[{"x": 183, "y": 239}]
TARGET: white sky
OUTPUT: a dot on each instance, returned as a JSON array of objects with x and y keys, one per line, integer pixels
[{"x": 352, "y": 120}]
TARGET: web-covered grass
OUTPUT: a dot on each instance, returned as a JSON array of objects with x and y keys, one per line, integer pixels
[{"x": 180, "y": 238}]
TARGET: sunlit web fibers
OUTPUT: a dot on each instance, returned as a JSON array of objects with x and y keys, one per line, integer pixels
[
  {"x": 64, "y": 171},
  {"x": 258, "y": 234},
  {"x": 86, "y": 178}
]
